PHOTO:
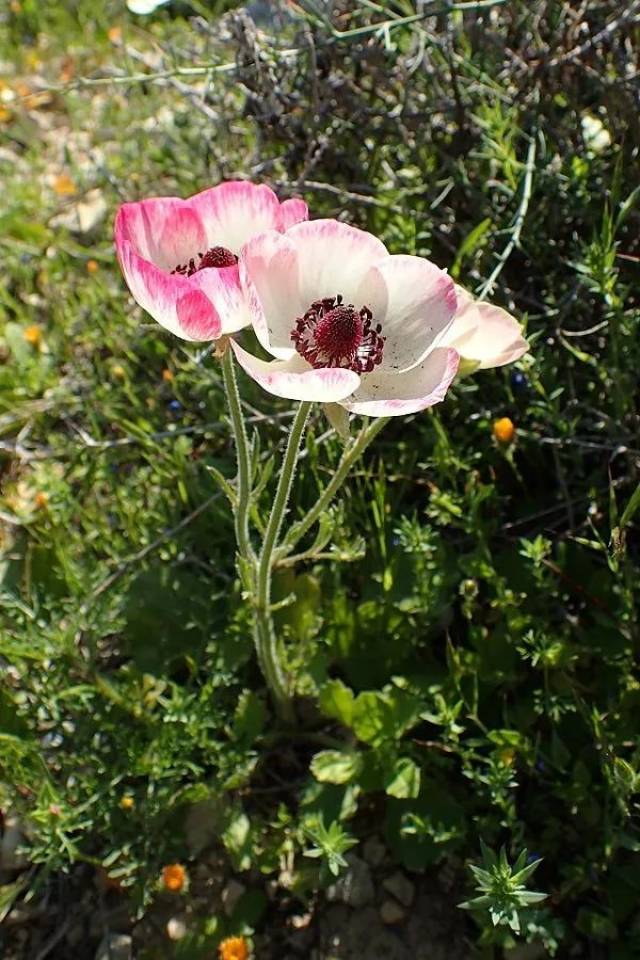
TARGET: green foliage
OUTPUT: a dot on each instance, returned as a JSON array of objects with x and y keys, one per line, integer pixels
[
  {"x": 502, "y": 886},
  {"x": 466, "y": 652}
]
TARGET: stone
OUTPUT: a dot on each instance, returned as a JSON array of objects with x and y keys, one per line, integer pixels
[
  {"x": 114, "y": 946},
  {"x": 400, "y": 887},
  {"x": 374, "y": 851},
  {"x": 355, "y": 886},
  {"x": 391, "y": 912},
  {"x": 176, "y": 928},
  {"x": 231, "y": 894}
]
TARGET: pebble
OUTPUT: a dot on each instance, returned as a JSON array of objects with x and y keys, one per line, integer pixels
[
  {"x": 399, "y": 886},
  {"x": 176, "y": 928},
  {"x": 355, "y": 886},
  {"x": 114, "y": 946},
  {"x": 374, "y": 851},
  {"x": 391, "y": 912},
  {"x": 231, "y": 894}
]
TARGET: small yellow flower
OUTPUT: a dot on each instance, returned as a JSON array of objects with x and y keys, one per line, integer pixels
[
  {"x": 174, "y": 877},
  {"x": 63, "y": 185},
  {"x": 234, "y": 948},
  {"x": 167, "y": 376},
  {"x": 41, "y": 500},
  {"x": 92, "y": 266},
  {"x": 114, "y": 34},
  {"x": 33, "y": 335},
  {"x": 127, "y": 802},
  {"x": 118, "y": 372},
  {"x": 5, "y": 114},
  {"x": 507, "y": 756},
  {"x": 504, "y": 430}
]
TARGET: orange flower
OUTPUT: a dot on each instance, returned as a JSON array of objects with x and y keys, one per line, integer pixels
[
  {"x": 167, "y": 376},
  {"x": 234, "y": 948},
  {"x": 92, "y": 266},
  {"x": 63, "y": 185},
  {"x": 33, "y": 335},
  {"x": 5, "y": 114},
  {"x": 504, "y": 430},
  {"x": 174, "y": 877},
  {"x": 41, "y": 500},
  {"x": 114, "y": 34}
]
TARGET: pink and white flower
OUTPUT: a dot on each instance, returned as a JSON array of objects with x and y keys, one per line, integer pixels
[
  {"x": 347, "y": 322},
  {"x": 180, "y": 257},
  {"x": 485, "y": 336}
]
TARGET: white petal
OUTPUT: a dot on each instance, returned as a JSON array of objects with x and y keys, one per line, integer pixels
[
  {"x": 484, "y": 334},
  {"x": 295, "y": 379},
  {"x": 269, "y": 276},
  {"x": 415, "y": 303},
  {"x": 384, "y": 394},
  {"x": 333, "y": 259}
]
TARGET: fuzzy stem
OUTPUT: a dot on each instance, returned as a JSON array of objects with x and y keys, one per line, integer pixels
[
  {"x": 266, "y": 640},
  {"x": 241, "y": 513},
  {"x": 352, "y": 452}
]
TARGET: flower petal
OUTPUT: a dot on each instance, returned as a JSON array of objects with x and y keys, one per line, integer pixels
[
  {"x": 484, "y": 334},
  {"x": 384, "y": 394},
  {"x": 415, "y": 303},
  {"x": 174, "y": 301},
  {"x": 164, "y": 230},
  {"x": 221, "y": 285},
  {"x": 292, "y": 211},
  {"x": 234, "y": 211},
  {"x": 333, "y": 259},
  {"x": 269, "y": 276},
  {"x": 295, "y": 379}
]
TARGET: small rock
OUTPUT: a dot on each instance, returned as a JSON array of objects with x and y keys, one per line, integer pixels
[
  {"x": 355, "y": 886},
  {"x": 374, "y": 851},
  {"x": 11, "y": 856},
  {"x": 391, "y": 912},
  {"x": 399, "y": 886},
  {"x": 114, "y": 946},
  {"x": 176, "y": 928},
  {"x": 231, "y": 894}
]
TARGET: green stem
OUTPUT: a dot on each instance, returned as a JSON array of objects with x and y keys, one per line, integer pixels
[
  {"x": 266, "y": 640},
  {"x": 241, "y": 513},
  {"x": 352, "y": 452}
]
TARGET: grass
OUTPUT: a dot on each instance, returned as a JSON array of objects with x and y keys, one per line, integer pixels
[{"x": 478, "y": 663}]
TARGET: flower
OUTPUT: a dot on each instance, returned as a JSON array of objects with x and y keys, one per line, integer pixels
[
  {"x": 179, "y": 257},
  {"x": 504, "y": 430},
  {"x": 485, "y": 336},
  {"x": 234, "y": 948},
  {"x": 127, "y": 802},
  {"x": 174, "y": 877},
  {"x": 346, "y": 321},
  {"x": 33, "y": 335},
  {"x": 92, "y": 266}
]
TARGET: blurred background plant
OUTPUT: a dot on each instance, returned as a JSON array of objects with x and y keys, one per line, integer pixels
[{"x": 474, "y": 673}]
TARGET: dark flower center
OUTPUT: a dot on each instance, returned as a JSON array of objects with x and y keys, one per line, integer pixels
[
  {"x": 214, "y": 257},
  {"x": 333, "y": 334}
]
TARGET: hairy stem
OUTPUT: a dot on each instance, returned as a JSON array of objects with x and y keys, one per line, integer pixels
[
  {"x": 241, "y": 514},
  {"x": 266, "y": 640},
  {"x": 352, "y": 452}
]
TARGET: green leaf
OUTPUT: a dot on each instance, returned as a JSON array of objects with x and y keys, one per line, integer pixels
[
  {"x": 404, "y": 782},
  {"x": 470, "y": 244},
  {"x": 336, "y": 700},
  {"x": 630, "y": 508},
  {"x": 250, "y": 717},
  {"x": 333, "y": 766}
]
